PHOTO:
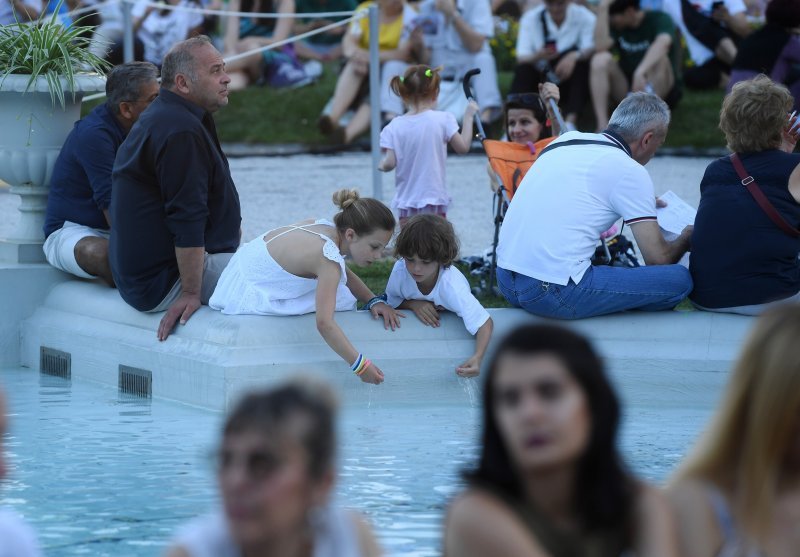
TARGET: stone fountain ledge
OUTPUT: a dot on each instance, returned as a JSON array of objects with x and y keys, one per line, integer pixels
[
  {"x": 34, "y": 127},
  {"x": 211, "y": 359}
]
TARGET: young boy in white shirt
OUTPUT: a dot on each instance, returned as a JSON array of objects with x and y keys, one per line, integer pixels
[{"x": 424, "y": 281}]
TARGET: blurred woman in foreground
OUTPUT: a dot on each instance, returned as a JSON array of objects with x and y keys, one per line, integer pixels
[
  {"x": 276, "y": 473},
  {"x": 550, "y": 481},
  {"x": 738, "y": 493}
]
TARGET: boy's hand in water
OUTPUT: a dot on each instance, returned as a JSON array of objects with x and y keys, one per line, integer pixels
[
  {"x": 372, "y": 374},
  {"x": 470, "y": 368},
  {"x": 391, "y": 317},
  {"x": 425, "y": 311}
]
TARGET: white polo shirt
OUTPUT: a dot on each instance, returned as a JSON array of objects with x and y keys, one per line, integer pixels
[
  {"x": 698, "y": 52},
  {"x": 451, "y": 292},
  {"x": 442, "y": 37},
  {"x": 577, "y": 30},
  {"x": 565, "y": 201}
]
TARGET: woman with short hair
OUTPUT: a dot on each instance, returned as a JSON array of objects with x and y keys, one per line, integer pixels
[
  {"x": 276, "y": 471},
  {"x": 741, "y": 260},
  {"x": 738, "y": 492}
]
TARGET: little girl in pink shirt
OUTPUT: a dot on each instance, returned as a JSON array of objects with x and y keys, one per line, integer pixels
[{"x": 416, "y": 144}]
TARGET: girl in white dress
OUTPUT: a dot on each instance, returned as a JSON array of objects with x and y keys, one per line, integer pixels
[{"x": 299, "y": 268}]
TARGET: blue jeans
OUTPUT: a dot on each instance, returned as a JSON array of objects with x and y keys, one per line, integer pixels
[{"x": 602, "y": 290}]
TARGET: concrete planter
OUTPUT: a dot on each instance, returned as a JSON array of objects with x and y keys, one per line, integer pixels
[{"x": 33, "y": 131}]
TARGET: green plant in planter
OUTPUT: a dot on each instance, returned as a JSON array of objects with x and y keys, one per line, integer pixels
[
  {"x": 50, "y": 50},
  {"x": 45, "y": 70}
]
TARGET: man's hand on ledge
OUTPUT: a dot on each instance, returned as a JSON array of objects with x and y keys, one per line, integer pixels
[{"x": 182, "y": 308}]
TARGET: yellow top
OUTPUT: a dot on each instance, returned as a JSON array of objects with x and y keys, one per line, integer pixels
[{"x": 389, "y": 34}]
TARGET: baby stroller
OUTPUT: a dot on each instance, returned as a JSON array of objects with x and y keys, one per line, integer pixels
[{"x": 510, "y": 162}]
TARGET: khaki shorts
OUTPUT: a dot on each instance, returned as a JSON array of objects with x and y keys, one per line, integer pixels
[
  {"x": 213, "y": 265},
  {"x": 59, "y": 248}
]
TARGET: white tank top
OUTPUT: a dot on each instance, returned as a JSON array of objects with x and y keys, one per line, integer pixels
[{"x": 254, "y": 283}]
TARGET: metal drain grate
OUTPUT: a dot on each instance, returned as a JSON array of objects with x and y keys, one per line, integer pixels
[
  {"x": 136, "y": 381},
  {"x": 55, "y": 362}
]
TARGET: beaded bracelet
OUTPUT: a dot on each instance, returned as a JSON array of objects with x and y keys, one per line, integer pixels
[{"x": 376, "y": 300}]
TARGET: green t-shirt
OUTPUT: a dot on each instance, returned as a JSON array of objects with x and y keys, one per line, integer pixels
[
  {"x": 317, "y": 6},
  {"x": 632, "y": 44}
]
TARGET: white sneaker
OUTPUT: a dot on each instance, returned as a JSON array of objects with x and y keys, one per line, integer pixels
[{"x": 313, "y": 69}]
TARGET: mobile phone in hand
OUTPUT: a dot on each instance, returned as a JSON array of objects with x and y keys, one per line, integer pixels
[
  {"x": 794, "y": 122},
  {"x": 550, "y": 46}
]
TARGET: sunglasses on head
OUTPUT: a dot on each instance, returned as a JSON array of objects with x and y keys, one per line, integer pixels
[{"x": 528, "y": 100}]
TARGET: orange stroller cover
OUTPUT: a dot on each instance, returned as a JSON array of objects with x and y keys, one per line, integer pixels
[{"x": 511, "y": 161}]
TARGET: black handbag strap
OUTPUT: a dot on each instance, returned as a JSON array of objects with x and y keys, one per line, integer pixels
[
  {"x": 755, "y": 190},
  {"x": 580, "y": 142},
  {"x": 545, "y": 30},
  {"x": 548, "y": 37}
]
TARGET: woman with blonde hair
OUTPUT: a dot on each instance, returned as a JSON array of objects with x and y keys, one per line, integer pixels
[
  {"x": 300, "y": 268},
  {"x": 745, "y": 240},
  {"x": 738, "y": 493}
]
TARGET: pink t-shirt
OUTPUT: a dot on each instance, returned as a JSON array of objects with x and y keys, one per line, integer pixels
[{"x": 419, "y": 142}]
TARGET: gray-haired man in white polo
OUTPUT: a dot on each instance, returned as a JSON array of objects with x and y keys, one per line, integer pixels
[{"x": 580, "y": 185}]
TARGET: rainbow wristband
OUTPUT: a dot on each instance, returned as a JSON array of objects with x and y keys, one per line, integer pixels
[
  {"x": 364, "y": 365},
  {"x": 360, "y": 365}
]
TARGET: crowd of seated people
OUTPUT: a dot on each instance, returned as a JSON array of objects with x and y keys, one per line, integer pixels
[
  {"x": 596, "y": 51},
  {"x": 628, "y": 56},
  {"x": 614, "y": 50},
  {"x": 627, "y": 53}
]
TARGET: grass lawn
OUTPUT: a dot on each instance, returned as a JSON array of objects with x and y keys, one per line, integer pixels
[
  {"x": 376, "y": 275},
  {"x": 695, "y": 121},
  {"x": 263, "y": 115},
  {"x": 278, "y": 116}
]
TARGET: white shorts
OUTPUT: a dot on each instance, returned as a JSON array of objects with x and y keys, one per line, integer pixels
[{"x": 59, "y": 248}]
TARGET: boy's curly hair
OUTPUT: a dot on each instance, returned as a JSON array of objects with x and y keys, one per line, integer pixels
[{"x": 429, "y": 237}]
